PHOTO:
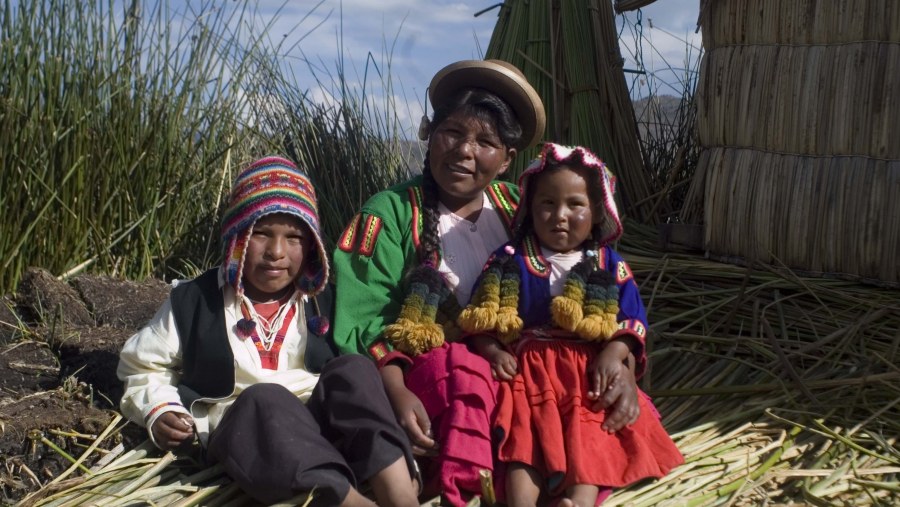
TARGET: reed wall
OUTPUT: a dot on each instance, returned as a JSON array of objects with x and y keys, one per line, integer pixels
[{"x": 799, "y": 119}]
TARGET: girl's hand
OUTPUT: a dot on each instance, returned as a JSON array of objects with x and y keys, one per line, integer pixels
[
  {"x": 172, "y": 430},
  {"x": 503, "y": 364},
  {"x": 605, "y": 370},
  {"x": 409, "y": 411}
]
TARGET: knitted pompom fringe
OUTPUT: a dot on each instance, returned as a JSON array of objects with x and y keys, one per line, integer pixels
[
  {"x": 414, "y": 338},
  {"x": 566, "y": 312},
  {"x": 509, "y": 324},
  {"x": 475, "y": 319}
]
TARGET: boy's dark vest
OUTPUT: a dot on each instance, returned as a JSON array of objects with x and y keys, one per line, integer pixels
[{"x": 207, "y": 359}]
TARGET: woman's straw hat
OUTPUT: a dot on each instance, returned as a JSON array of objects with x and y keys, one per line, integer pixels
[{"x": 504, "y": 80}]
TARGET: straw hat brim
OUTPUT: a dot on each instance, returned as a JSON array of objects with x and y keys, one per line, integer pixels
[{"x": 500, "y": 78}]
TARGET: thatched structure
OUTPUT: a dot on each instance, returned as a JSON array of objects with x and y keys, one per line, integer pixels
[
  {"x": 569, "y": 50},
  {"x": 798, "y": 116}
]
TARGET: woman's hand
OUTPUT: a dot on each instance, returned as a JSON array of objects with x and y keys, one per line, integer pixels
[
  {"x": 503, "y": 364},
  {"x": 172, "y": 430},
  {"x": 409, "y": 411},
  {"x": 619, "y": 394}
]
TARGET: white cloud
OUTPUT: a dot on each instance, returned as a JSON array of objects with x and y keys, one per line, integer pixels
[{"x": 413, "y": 39}]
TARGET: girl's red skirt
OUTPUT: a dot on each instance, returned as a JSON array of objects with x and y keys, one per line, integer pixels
[{"x": 545, "y": 417}]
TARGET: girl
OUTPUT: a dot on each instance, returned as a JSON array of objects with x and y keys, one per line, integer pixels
[
  {"x": 557, "y": 313},
  {"x": 241, "y": 357}
]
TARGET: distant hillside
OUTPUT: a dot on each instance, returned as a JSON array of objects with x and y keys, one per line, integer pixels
[{"x": 649, "y": 109}]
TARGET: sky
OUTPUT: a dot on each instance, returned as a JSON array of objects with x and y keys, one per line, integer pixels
[{"x": 412, "y": 39}]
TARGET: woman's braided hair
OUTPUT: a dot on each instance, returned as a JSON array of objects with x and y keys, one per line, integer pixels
[{"x": 484, "y": 106}]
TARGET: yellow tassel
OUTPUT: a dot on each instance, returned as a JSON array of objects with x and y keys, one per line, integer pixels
[
  {"x": 509, "y": 324},
  {"x": 566, "y": 312},
  {"x": 475, "y": 318},
  {"x": 423, "y": 337},
  {"x": 610, "y": 326},
  {"x": 396, "y": 333},
  {"x": 590, "y": 328},
  {"x": 414, "y": 339}
]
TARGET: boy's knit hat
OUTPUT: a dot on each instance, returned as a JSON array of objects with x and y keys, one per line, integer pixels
[
  {"x": 268, "y": 186},
  {"x": 557, "y": 154}
]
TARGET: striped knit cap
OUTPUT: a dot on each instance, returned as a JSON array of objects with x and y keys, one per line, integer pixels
[
  {"x": 574, "y": 156},
  {"x": 268, "y": 186}
]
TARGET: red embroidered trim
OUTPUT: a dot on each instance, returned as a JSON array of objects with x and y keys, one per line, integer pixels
[
  {"x": 635, "y": 326},
  {"x": 378, "y": 350},
  {"x": 623, "y": 273},
  {"x": 370, "y": 235},
  {"x": 534, "y": 260},
  {"x": 269, "y": 358},
  {"x": 161, "y": 406},
  {"x": 499, "y": 194},
  {"x": 345, "y": 243},
  {"x": 415, "y": 201}
]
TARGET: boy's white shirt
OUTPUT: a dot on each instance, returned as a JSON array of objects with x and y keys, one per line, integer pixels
[{"x": 150, "y": 363}]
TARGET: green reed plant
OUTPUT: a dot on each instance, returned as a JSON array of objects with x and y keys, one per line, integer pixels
[
  {"x": 122, "y": 126},
  {"x": 113, "y": 132},
  {"x": 350, "y": 143}
]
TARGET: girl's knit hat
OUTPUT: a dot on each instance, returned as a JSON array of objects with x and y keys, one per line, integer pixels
[
  {"x": 555, "y": 154},
  {"x": 268, "y": 186}
]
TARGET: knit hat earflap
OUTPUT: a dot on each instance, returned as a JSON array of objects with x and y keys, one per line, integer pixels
[
  {"x": 556, "y": 154},
  {"x": 268, "y": 186}
]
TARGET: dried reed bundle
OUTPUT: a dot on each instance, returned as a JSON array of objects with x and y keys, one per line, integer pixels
[
  {"x": 733, "y": 22},
  {"x": 825, "y": 216},
  {"x": 814, "y": 100},
  {"x": 798, "y": 118},
  {"x": 777, "y": 388},
  {"x": 569, "y": 51}
]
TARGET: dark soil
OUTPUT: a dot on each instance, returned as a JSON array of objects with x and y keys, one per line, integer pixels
[{"x": 59, "y": 347}]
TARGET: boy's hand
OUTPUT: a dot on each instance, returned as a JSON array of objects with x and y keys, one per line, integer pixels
[
  {"x": 409, "y": 411},
  {"x": 172, "y": 430}
]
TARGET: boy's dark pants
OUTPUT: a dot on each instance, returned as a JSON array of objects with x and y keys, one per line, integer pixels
[{"x": 275, "y": 447}]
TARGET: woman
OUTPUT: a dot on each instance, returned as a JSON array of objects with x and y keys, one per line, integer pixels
[{"x": 408, "y": 260}]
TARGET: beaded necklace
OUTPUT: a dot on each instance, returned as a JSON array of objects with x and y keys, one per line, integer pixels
[{"x": 267, "y": 328}]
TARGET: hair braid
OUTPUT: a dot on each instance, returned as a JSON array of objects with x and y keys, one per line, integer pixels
[{"x": 431, "y": 241}]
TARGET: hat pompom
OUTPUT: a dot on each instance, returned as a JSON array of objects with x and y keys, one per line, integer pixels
[
  {"x": 318, "y": 324},
  {"x": 245, "y": 328}
]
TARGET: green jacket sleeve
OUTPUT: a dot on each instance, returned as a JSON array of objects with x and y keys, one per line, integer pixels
[{"x": 371, "y": 257}]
